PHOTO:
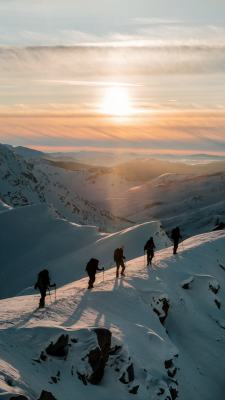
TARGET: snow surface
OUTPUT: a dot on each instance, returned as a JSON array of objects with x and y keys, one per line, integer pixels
[{"x": 193, "y": 334}]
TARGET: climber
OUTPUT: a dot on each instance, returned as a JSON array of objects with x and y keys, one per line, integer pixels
[
  {"x": 119, "y": 260},
  {"x": 176, "y": 236},
  {"x": 43, "y": 283},
  {"x": 149, "y": 248},
  {"x": 91, "y": 269}
]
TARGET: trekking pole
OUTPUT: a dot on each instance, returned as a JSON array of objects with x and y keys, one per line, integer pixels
[
  {"x": 55, "y": 292},
  {"x": 50, "y": 295},
  {"x": 103, "y": 275}
]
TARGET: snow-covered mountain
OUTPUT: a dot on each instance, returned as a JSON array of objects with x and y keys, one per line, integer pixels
[
  {"x": 105, "y": 198},
  {"x": 25, "y": 182},
  {"x": 156, "y": 334}
]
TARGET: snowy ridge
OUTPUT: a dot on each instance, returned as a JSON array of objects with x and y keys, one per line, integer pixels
[{"x": 168, "y": 320}]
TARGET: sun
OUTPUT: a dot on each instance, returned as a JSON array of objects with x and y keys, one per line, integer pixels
[{"x": 116, "y": 102}]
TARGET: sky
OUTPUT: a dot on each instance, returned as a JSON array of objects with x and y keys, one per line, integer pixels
[{"x": 107, "y": 74}]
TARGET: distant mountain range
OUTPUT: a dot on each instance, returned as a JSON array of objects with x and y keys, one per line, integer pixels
[{"x": 113, "y": 198}]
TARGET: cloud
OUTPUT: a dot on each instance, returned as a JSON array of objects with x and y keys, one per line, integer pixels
[
  {"x": 155, "y": 21},
  {"x": 185, "y": 131},
  {"x": 89, "y": 63}
]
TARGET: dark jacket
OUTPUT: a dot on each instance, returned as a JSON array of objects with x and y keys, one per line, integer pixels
[
  {"x": 150, "y": 245},
  {"x": 43, "y": 281},
  {"x": 118, "y": 255},
  {"x": 175, "y": 235},
  {"x": 92, "y": 267}
]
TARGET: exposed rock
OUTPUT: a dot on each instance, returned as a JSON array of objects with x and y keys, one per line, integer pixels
[
  {"x": 161, "y": 307},
  {"x": 134, "y": 389},
  {"x": 172, "y": 372},
  {"x": 168, "y": 364},
  {"x": 97, "y": 363},
  {"x": 115, "y": 350},
  {"x": 60, "y": 348},
  {"x": 214, "y": 286},
  {"x": 104, "y": 337},
  {"x": 98, "y": 356},
  {"x": 186, "y": 284},
  {"x": 74, "y": 340},
  {"x": 18, "y": 397},
  {"x": 173, "y": 392},
  {"x": 222, "y": 266},
  {"x": 128, "y": 375},
  {"x": 82, "y": 378},
  {"x": 218, "y": 304},
  {"x": 43, "y": 356},
  {"x": 46, "y": 396}
]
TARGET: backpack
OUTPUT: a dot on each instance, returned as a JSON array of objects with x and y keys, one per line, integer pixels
[
  {"x": 43, "y": 279},
  {"x": 175, "y": 233},
  {"x": 149, "y": 245},
  {"x": 118, "y": 254},
  {"x": 92, "y": 265}
]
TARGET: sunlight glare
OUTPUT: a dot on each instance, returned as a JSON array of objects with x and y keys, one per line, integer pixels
[{"x": 116, "y": 102}]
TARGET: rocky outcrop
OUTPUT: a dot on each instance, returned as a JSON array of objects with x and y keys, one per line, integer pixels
[
  {"x": 160, "y": 305},
  {"x": 98, "y": 357},
  {"x": 46, "y": 396},
  {"x": 60, "y": 348},
  {"x": 186, "y": 284},
  {"x": 128, "y": 375}
]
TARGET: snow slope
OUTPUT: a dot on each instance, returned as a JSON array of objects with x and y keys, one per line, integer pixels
[
  {"x": 184, "y": 354},
  {"x": 34, "y": 237}
]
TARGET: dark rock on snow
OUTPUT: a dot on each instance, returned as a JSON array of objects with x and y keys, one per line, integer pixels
[
  {"x": 60, "y": 348},
  {"x": 98, "y": 357},
  {"x": 134, "y": 389},
  {"x": 128, "y": 375},
  {"x": 46, "y": 396},
  {"x": 18, "y": 397}
]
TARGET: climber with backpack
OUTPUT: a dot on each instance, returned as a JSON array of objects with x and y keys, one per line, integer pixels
[
  {"x": 149, "y": 248},
  {"x": 119, "y": 260},
  {"x": 43, "y": 284},
  {"x": 176, "y": 236},
  {"x": 91, "y": 269}
]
